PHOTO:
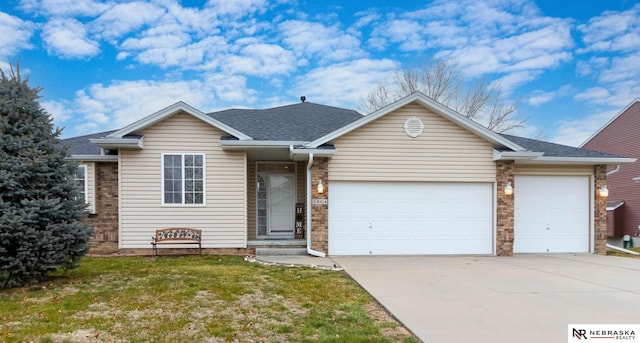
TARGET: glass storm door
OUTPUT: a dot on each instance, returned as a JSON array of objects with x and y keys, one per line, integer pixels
[{"x": 281, "y": 205}]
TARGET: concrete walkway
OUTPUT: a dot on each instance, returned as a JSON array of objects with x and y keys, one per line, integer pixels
[{"x": 526, "y": 298}]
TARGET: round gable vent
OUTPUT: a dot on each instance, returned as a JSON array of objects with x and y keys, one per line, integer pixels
[{"x": 413, "y": 127}]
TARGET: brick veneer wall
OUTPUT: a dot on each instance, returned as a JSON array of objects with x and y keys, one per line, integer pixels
[
  {"x": 320, "y": 213},
  {"x": 505, "y": 221},
  {"x": 105, "y": 221},
  {"x": 600, "y": 210}
]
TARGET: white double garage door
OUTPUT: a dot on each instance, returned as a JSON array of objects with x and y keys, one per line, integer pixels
[{"x": 407, "y": 218}]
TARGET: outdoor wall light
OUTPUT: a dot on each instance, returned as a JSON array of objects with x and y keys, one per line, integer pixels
[
  {"x": 604, "y": 192},
  {"x": 508, "y": 189},
  {"x": 320, "y": 187}
]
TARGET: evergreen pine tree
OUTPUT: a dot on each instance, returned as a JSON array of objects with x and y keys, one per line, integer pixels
[{"x": 42, "y": 226}]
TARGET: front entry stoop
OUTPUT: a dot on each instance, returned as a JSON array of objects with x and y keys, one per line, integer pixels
[{"x": 281, "y": 251}]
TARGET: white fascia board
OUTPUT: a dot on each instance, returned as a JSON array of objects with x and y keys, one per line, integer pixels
[
  {"x": 315, "y": 152},
  {"x": 295, "y": 153},
  {"x": 119, "y": 143},
  {"x": 579, "y": 160},
  {"x": 609, "y": 122},
  {"x": 232, "y": 144},
  {"x": 426, "y": 102},
  {"x": 168, "y": 111},
  {"x": 94, "y": 158},
  {"x": 516, "y": 155}
]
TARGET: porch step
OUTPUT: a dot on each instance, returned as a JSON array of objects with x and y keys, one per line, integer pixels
[
  {"x": 281, "y": 251},
  {"x": 260, "y": 243}
]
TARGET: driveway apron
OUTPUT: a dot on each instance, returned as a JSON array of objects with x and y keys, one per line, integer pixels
[{"x": 525, "y": 298}]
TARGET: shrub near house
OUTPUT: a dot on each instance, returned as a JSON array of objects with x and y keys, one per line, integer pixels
[{"x": 41, "y": 212}]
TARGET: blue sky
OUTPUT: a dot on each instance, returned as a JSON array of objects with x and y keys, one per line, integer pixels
[{"x": 571, "y": 65}]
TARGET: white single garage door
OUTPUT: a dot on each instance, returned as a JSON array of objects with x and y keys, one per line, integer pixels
[
  {"x": 551, "y": 214},
  {"x": 405, "y": 218}
]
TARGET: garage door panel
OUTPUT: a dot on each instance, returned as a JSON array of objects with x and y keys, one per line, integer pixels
[
  {"x": 551, "y": 214},
  {"x": 410, "y": 218}
]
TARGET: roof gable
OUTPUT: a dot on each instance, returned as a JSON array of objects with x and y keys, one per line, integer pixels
[
  {"x": 429, "y": 103},
  {"x": 171, "y": 110}
]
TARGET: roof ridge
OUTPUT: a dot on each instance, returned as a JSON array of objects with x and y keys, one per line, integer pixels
[{"x": 284, "y": 106}]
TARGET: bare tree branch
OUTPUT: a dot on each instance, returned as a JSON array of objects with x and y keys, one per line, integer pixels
[
  {"x": 441, "y": 80},
  {"x": 407, "y": 81}
]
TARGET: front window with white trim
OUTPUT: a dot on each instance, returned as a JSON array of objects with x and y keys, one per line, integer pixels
[
  {"x": 80, "y": 177},
  {"x": 183, "y": 179}
]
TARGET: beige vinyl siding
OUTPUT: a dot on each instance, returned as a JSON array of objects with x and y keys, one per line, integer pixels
[
  {"x": 382, "y": 151},
  {"x": 91, "y": 185},
  {"x": 538, "y": 169},
  {"x": 223, "y": 216}
]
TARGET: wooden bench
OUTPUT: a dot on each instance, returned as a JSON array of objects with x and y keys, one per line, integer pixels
[{"x": 176, "y": 236}]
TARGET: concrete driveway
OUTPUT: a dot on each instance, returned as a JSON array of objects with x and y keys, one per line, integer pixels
[{"x": 525, "y": 298}]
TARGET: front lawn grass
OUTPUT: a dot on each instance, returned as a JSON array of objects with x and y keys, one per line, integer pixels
[{"x": 194, "y": 299}]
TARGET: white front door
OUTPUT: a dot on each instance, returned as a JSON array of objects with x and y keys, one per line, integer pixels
[{"x": 281, "y": 204}]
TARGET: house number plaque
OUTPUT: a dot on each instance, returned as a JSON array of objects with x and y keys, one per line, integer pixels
[{"x": 320, "y": 201}]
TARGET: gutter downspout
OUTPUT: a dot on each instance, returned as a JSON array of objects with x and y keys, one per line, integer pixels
[
  {"x": 622, "y": 249},
  {"x": 309, "y": 250},
  {"x": 614, "y": 170}
]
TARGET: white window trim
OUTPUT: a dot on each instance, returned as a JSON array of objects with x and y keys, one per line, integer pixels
[
  {"x": 204, "y": 179},
  {"x": 86, "y": 181}
]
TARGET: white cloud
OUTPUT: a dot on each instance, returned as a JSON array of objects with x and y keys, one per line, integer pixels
[
  {"x": 508, "y": 38},
  {"x": 315, "y": 40},
  {"x": 59, "y": 111},
  {"x": 15, "y": 34},
  {"x": 541, "y": 49},
  {"x": 622, "y": 68},
  {"x": 593, "y": 95},
  {"x": 538, "y": 98},
  {"x": 511, "y": 81},
  {"x": 67, "y": 38},
  {"x": 261, "y": 60},
  {"x": 64, "y": 8},
  {"x": 103, "y": 107},
  {"x": 343, "y": 84},
  {"x": 365, "y": 18},
  {"x": 406, "y": 32},
  {"x": 612, "y": 30},
  {"x": 617, "y": 95},
  {"x": 612, "y": 41},
  {"x": 237, "y": 7},
  {"x": 124, "y": 18},
  {"x": 592, "y": 65},
  {"x": 231, "y": 88},
  {"x": 541, "y": 98},
  {"x": 575, "y": 132}
]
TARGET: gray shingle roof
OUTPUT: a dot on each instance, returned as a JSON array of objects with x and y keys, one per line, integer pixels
[
  {"x": 307, "y": 121},
  {"x": 82, "y": 146},
  {"x": 303, "y": 121},
  {"x": 555, "y": 150}
]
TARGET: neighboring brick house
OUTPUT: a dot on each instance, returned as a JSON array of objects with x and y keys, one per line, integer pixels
[
  {"x": 621, "y": 136},
  {"x": 414, "y": 177}
]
